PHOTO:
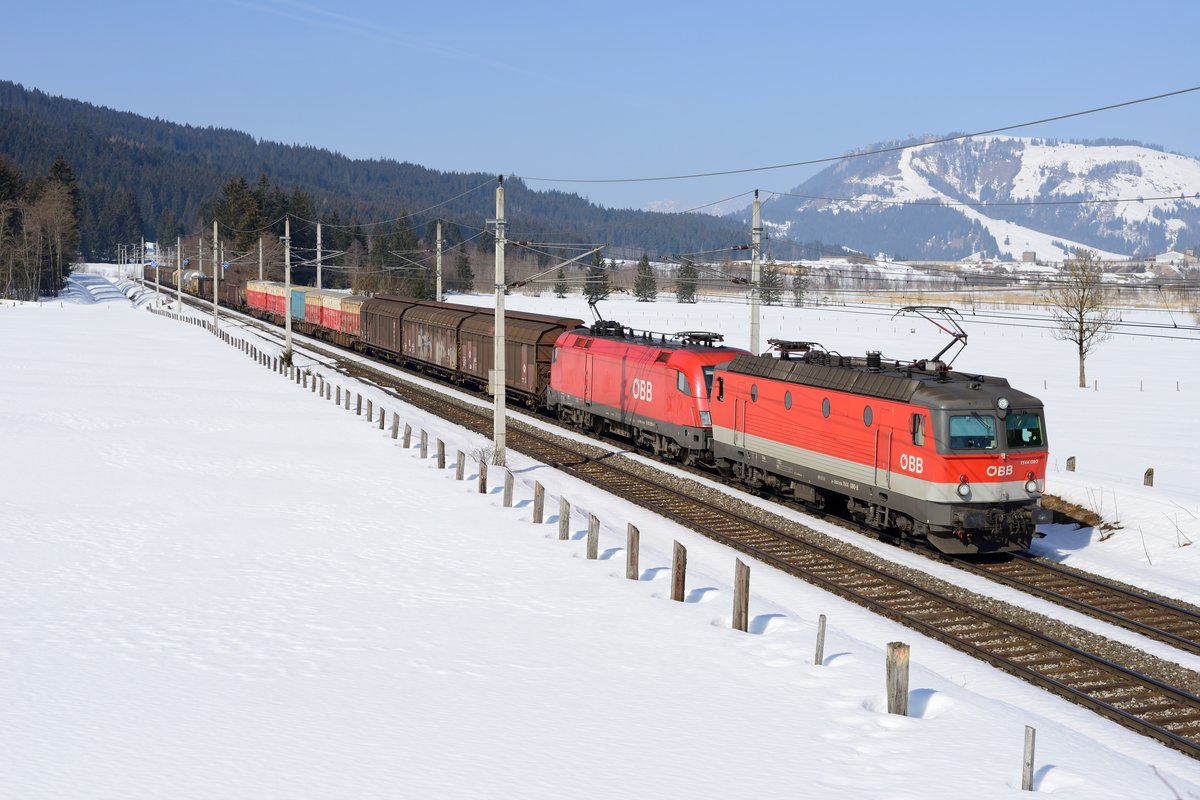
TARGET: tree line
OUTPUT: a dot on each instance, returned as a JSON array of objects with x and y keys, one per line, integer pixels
[{"x": 39, "y": 230}]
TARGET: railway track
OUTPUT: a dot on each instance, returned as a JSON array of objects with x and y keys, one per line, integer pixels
[
  {"x": 1118, "y": 692},
  {"x": 1150, "y": 616}
]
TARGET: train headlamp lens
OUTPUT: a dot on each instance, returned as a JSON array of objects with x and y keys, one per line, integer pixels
[
  {"x": 963, "y": 490},
  {"x": 1031, "y": 485},
  {"x": 1002, "y": 403},
  {"x": 706, "y": 418}
]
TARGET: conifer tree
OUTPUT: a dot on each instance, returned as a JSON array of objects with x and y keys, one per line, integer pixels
[
  {"x": 685, "y": 282},
  {"x": 799, "y": 284},
  {"x": 466, "y": 276},
  {"x": 770, "y": 283},
  {"x": 645, "y": 284},
  {"x": 596, "y": 285},
  {"x": 560, "y": 283}
]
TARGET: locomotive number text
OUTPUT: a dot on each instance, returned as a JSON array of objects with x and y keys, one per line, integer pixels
[
  {"x": 912, "y": 463},
  {"x": 642, "y": 390}
]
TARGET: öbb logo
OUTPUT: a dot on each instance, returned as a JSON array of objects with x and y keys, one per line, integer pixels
[
  {"x": 999, "y": 471},
  {"x": 642, "y": 390},
  {"x": 912, "y": 463}
]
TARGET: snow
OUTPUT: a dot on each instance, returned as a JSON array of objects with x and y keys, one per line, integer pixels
[{"x": 216, "y": 584}]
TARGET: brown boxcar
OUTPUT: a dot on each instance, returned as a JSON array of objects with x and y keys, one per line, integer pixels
[
  {"x": 528, "y": 347},
  {"x": 380, "y": 321},
  {"x": 430, "y": 335}
]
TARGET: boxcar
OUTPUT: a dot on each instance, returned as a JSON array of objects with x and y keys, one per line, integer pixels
[
  {"x": 380, "y": 322},
  {"x": 350, "y": 318},
  {"x": 430, "y": 336}
]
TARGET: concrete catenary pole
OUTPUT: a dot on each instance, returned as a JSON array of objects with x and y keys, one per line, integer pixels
[
  {"x": 439, "y": 261},
  {"x": 755, "y": 274},
  {"x": 216, "y": 275},
  {"x": 498, "y": 335},
  {"x": 287, "y": 282},
  {"x": 142, "y": 263},
  {"x": 318, "y": 255},
  {"x": 260, "y": 238},
  {"x": 179, "y": 274}
]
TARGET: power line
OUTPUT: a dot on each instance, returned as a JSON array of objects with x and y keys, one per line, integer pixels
[
  {"x": 878, "y": 151},
  {"x": 986, "y": 203}
]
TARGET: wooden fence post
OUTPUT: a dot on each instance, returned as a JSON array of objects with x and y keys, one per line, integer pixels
[
  {"x": 461, "y": 467},
  {"x": 424, "y": 444},
  {"x": 897, "y": 678},
  {"x": 539, "y": 502},
  {"x": 370, "y": 410},
  {"x": 483, "y": 476},
  {"x": 508, "y": 488},
  {"x": 1027, "y": 762},
  {"x": 819, "y": 659},
  {"x": 314, "y": 384},
  {"x": 338, "y": 401},
  {"x": 395, "y": 426},
  {"x": 593, "y": 537},
  {"x": 564, "y": 519},
  {"x": 678, "y": 572},
  {"x": 441, "y": 454},
  {"x": 741, "y": 596},
  {"x": 358, "y": 404},
  {"x": 407, "y": 435},
  {"x": 347, "y": 399},
  {"x": 633, "y": 546},
  {"x": 382, "y": 414},
  {"x": 1071, "y": 464},
  {"x": 1148, "y": 478}
]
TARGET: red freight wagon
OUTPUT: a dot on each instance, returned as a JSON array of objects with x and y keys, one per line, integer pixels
[
  {"x": 651, "y": 388},
  {"x": 528, "y": 349},
  {"x": 959, "y": 459},
  {"x": 430, "y": 335},
  {"x": 350, "y": 315}
]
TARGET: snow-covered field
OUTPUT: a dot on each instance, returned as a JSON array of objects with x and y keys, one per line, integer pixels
[{"x": 216, "y": 584}]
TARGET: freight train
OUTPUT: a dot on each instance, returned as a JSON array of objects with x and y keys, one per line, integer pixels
[{"x": 912, "y": 449}]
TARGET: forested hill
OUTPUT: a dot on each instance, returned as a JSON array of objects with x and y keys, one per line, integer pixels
[{"x": 147, "y": 177}]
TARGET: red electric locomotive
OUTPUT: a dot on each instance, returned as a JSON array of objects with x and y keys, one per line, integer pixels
[
  {"x": 652, "y": 389},
  {"x": 918, "y": 449}
]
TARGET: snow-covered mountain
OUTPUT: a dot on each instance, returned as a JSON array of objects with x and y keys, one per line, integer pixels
[{"x": 998, "y": 196}]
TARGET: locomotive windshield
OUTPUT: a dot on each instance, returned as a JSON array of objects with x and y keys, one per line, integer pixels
[
  {"x": 973, "y": 432},
  {"x": 708, "y": 380},
  {"x": 1024, "y": 429}
]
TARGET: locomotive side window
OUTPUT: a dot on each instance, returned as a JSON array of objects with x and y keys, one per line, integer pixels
[
  {"x": 681, "y": 383},
  {"x": 868, "y": 416},
  {"x": 918, "y": 429},
  {"x": 1023, "y": 430},
  {"x": 787, "y": 400},
  {"x": 754, "y": 393},
  {"x": 825, "y": 408},
  {"x": 973, "y": 432},
  {"x": 708, "y": 381}
]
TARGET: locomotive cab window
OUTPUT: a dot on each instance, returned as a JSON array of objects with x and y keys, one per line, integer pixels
[
  {"x": 708, "y": 380},
  {"x": 1023, "y": 429},
  {"x": 681, "y": 383},
  {"x": 918, "y": 429},
  {"x": 972, "y": 432}
]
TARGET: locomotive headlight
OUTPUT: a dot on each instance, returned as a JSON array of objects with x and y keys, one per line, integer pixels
[
  {"x": 964, "y": 489},
  {"x": 1031, "y": 486},
  {"x": 706, "y": 418},
  {"x": 1002, "y": 404}
]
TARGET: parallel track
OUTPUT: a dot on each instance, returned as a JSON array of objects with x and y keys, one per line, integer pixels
[{"x": 1139, "y": 702}]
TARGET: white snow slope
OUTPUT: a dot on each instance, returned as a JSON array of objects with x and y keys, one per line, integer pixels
[{"x": 216, "y": 584}]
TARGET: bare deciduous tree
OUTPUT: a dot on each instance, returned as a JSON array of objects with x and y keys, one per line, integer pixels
[{"x": 1080, "y": 306}]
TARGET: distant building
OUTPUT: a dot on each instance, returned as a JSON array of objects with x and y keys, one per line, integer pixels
[
  {"x": 1173, "y": 257},
  {"x": 1029, "y": 256}
]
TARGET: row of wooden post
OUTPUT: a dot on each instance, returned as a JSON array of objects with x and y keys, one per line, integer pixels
[
  {"x": 897, "y": 659},
  {"x": 1147, "y": 476}
]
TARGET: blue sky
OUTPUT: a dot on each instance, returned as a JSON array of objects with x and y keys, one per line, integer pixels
[{"x": 618, "y": 89}]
